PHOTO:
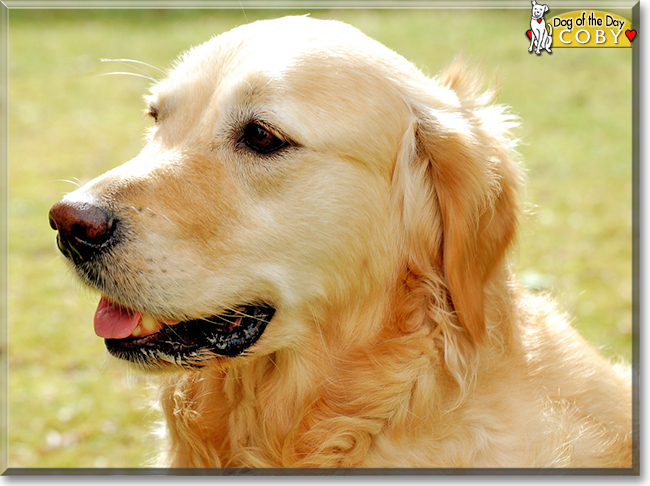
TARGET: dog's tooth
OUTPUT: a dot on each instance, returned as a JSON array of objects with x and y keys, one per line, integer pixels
[
  {"x": 149, "y": 323},
  {"x": 138, "y": 331}
]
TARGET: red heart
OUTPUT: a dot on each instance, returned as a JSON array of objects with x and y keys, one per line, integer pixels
[
  {"x": 529, "y": 34},
  {"x": 631, "y": 34},
  {"x": 539, "y": 21}
]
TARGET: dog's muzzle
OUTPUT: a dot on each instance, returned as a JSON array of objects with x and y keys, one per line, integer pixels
[{"x": 87, "y": 236}]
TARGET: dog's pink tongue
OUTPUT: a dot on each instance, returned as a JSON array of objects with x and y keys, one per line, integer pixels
[{"x": 113, "y": 321}]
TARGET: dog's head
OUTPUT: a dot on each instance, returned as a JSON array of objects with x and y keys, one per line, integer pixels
[
  {"x": 539, "y": 9},
  {"x": 296, "y": 170}
]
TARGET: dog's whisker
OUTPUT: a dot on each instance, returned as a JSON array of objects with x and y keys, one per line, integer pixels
[
  {"x": 127, "y": 62},
  {"x": 75, "y": 182},
  {"x": 238, "y": 314},
  {"x": 140, "y": 70},
  {"x": 156, "y": 213},
  {"x": 127, "y": 74}
]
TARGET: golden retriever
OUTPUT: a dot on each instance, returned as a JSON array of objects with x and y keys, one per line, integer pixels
[{"x": 312, "y": 246}]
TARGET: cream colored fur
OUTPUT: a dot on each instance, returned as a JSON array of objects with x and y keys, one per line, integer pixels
[{"x": 401, "y": 337}]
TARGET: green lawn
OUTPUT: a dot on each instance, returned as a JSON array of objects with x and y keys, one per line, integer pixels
[{"x": 69, "y": 406}]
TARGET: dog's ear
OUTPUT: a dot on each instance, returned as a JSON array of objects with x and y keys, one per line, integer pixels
[
  {"x": 461, "y": 187},
  {"x": 534, "y": 3},
  {"x": 545, "y": 8}
]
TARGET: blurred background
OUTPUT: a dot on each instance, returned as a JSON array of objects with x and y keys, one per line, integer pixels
[{"x": 71, "y": 406}]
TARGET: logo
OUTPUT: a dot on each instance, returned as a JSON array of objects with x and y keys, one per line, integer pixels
[
  {"x": 577, "y": 29},
  {"x": 540, "y": 38}
]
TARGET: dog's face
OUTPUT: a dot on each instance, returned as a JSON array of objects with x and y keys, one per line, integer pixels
[
  {"x": 269, "y": 192},
  {"x": 539, "y": 10}
]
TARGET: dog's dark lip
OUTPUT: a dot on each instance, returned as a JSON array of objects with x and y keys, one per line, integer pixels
[{"x": 192, "y": 343}]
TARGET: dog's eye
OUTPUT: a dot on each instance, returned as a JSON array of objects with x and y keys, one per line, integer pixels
[
  {"x": 152, "y": 112},
  {"x": 261, "y": 140}
]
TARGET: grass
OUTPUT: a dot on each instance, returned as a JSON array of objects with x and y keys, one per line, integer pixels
[{"x": 68, "y": 405}]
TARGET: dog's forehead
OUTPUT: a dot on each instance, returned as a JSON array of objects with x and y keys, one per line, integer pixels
[
  {"x": 274, "y": 43},
  {"x": 295, "y": 68},
  {"x": 273, "y": 47}
]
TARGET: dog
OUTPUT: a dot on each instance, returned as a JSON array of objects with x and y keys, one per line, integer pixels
[
  {"x": 540, "y": 37},
  {"x": 310, "y": 253}
]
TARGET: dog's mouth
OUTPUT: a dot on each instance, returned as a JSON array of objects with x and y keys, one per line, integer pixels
[{"x": 150, "y": 342}]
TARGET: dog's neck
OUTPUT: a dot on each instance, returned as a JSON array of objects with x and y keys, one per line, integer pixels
[{"x": 327, "y": 400}]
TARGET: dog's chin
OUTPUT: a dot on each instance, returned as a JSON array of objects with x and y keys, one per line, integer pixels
[{"x": 195, "y": 343}]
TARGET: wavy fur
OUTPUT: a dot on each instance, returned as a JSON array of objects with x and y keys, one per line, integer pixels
[{"x": 401, "y": 338}]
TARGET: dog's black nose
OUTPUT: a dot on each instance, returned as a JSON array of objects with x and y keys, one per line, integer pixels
[{"x": 84, "y": 229}]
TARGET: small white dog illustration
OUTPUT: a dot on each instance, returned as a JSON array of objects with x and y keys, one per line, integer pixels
[{"x": 540, "y": 37}]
